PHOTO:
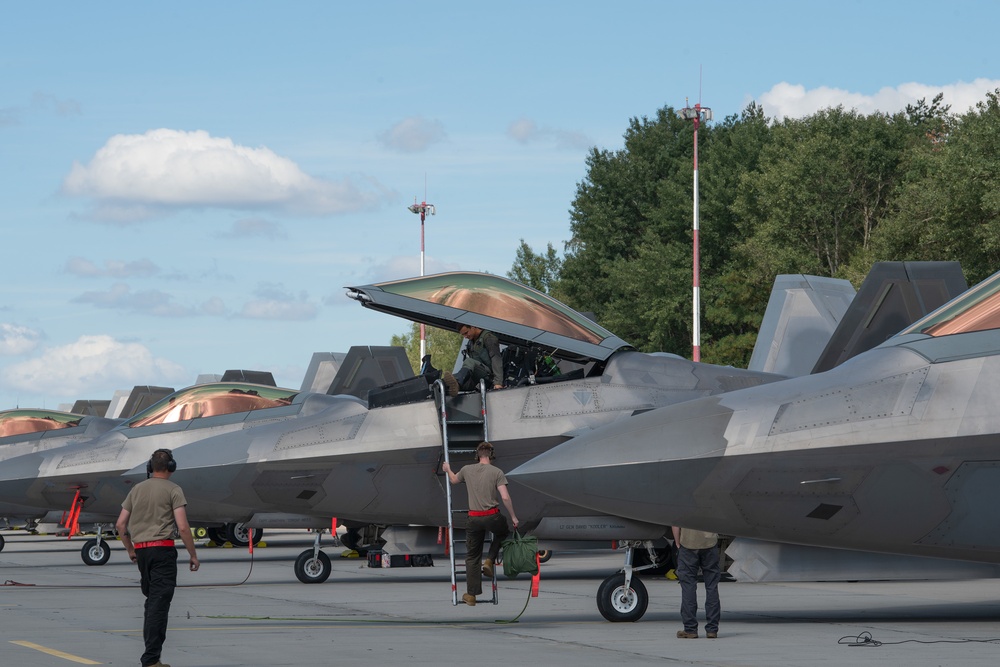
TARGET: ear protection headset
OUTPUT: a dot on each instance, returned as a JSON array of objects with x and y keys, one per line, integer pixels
[{"x": 171, "y": 463}]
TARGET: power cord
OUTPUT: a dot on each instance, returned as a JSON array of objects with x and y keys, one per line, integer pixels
[{"x": 866, "y": 639}]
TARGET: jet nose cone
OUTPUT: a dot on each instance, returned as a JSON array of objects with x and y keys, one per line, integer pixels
[{"x": 637, "y": 468}]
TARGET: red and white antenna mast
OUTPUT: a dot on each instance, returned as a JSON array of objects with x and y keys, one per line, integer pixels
[
  {"x": 423, "y": 208},
  {"x": 697, "y": 113}
]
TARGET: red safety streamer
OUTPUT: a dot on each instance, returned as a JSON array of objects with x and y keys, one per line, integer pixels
[
  {"x": 73, "y": 520},
  {"x": 536, "y": 578}
]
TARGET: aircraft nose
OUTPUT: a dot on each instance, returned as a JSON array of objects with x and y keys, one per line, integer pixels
[{"x": 645, "y": 467}]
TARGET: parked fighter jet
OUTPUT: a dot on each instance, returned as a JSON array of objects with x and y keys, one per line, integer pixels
[
  {"x": 893, "y": 451},
  {"x": 32, "y": 430},
  {"x": 378, "y": 460},
  {"x": 80, "y": 475}
]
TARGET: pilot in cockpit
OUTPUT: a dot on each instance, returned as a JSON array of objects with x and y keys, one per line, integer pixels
[{"x": 483, "y": 360}]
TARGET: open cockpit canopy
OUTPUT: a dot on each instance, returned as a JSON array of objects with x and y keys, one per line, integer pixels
[
  {"x": 211, "y": 400},
  {"x": 517, "y": 314}
]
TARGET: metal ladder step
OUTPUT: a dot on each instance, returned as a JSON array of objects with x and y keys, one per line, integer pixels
[{"x": 464, "y": 438}]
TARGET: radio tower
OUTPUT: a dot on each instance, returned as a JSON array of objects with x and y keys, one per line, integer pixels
[
  {"x": 697, "y": 113},
  {"x": 423, "y": 208}
]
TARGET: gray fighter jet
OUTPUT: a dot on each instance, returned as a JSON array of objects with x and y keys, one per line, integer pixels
[
  {"x": 72, "y": 465},
  {"x": 377, "y": 459},
  {"x": 892, "y": 451},
  {"x": 26, "y": 430}
]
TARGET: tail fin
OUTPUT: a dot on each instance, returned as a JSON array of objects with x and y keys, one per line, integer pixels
[
  {"x": 802, "y": 315},
  {"x": 893, "y": 296}
]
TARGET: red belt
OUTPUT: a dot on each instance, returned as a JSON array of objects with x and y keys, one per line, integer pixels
[
  {"x": 156, "y": 543},
  {"x": 495, "y": 510}
]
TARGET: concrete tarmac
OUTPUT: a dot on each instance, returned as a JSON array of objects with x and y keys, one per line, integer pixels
[{"x": 58, "y": 612}]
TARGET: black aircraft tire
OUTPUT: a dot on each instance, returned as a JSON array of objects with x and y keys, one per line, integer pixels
[
  {"x": 544, "y": 555},
  {"x": 311, "y": 570},
  {"x": 239, "y": 535},
  {"x": 665, "y": 556},
  {"x": 95, "y": 552},
  {"x": 3, "y": 542},
  {"x": 618, "y": 605},
  {"x": 217, "y": 534}
]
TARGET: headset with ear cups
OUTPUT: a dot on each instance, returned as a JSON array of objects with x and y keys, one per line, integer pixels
[{"x": 171, "y": 463}]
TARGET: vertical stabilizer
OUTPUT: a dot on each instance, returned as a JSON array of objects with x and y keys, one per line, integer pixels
[
  {"x": 802, "y": 314},
  {"x": 893, "y": 296},
  {"x": 322, "y": 369},
  {"x": 365, "y": 368}
]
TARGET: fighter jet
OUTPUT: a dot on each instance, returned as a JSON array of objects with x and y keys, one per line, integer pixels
[
  {"x": 377, "y": 459},
  {"x": 374, "y": 457},
  {"x": 76, "y": 469},
  {"x": 26, "y": 430},
  {"x": 892, "y": 451}
]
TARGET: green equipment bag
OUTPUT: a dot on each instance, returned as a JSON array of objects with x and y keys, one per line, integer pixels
[{"x": 519, "y": 555}]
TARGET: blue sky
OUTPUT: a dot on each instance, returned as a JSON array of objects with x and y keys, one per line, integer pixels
[{"x": 187, "y": 187}]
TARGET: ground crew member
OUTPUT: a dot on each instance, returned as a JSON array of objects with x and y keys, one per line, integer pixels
[
  {"x": 153, "y": 515},
  {"x": 696, "y": 550},
  {"x": 483, "y": 481}
]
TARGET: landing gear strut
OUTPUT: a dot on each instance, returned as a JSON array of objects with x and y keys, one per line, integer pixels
[
  {"x": 313, "y": 566},
  {"x": 96, "y": 551},
  {"x": 622, "y": 597}
]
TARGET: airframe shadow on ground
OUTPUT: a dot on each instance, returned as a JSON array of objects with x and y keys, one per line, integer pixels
[{"x": 404, "y": 615}]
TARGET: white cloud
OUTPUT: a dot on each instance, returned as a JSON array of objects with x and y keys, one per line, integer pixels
[
  {"x": 527, "y": 131},
  {"x": 273, "y": 302},
  {"x": 40, "y": 102},
  {"x": 137, "y": 176},
  {"x": 407, "y": 266},
  {"x": 92, "y": 363},
  {"x": 254, "y": 227},
  {"x": 66, "y": 107},
  {"x": 413, "y": 135},
  {"x": 786, "y": 100},
  {"x": 121, "y": 297},
  {"x": 113, "y": 268},
  {"x": 9, "y": 116},
  {"x": 16, "y": 339},
  {"x": 213, "y": 307}
]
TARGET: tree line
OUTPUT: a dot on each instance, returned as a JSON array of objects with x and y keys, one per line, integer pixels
[{"x": 827, "y": 195}]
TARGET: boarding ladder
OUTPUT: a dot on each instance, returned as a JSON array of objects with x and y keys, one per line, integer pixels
[{"x": 464, "y": 424}]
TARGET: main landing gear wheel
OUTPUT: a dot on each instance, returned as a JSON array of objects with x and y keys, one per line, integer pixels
[
  {"x": 239, "y": 534},
  {"x": 544, "y": 555},
  {"x": 217, "y": 534},
  {"x": 310, "y": 569},
  {"x": 620, "y": 605},
  {"x": 95, "y": 552},
  {"x": 3, "y": 542}
]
